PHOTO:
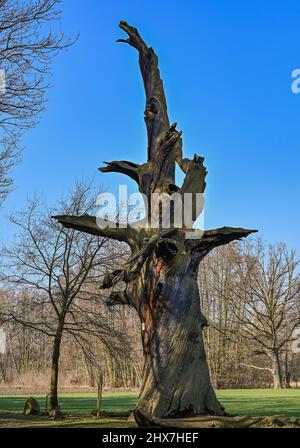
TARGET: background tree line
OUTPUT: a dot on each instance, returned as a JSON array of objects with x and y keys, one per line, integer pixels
[{"x": 59, "y": 323}]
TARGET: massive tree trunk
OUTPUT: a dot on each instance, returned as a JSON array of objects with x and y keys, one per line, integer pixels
[
  {"x": 54, "y": 409},
  {"x": 161, "y": 275},
  {"x": 176, "y": 379}
]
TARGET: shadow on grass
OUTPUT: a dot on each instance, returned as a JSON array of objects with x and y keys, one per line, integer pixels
[
  {"x": 74, "y": 404},
  {"x": 262, "y": 402},
  {"x": 11, "y": 420}
]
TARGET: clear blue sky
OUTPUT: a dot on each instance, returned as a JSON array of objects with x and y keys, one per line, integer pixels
[{"x": 226, "y": 67}]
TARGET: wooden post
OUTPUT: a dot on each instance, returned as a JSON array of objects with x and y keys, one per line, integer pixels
[{"x": 99, "y": 393}]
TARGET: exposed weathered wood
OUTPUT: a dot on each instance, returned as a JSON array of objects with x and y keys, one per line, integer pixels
[
  {"x": 89, "y": 224},
  {"x": 112, "y": 278},
  {"x": 198, "y": 248},
  {"x": 194, "y": 182},
  {"x": 129, "y": 168},
  {"x": 160, "y": 244},
  {"x": 117, "y": 298},
  {"x": 156, "y": 115}
]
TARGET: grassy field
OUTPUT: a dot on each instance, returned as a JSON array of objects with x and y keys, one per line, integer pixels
[{"x": 253, "y": 402}]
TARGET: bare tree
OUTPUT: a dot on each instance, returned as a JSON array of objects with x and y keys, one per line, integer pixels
[
  {"x": 225, "y": 352},
  {"x": 263, "y": 294},
  {"x": 161, "y": 276},
  {"x": 29, "y": 39},
  {"x": 83, "y": 354},
  {"x": 8, "y": 158},
  {"x": 59, "y": 267}
]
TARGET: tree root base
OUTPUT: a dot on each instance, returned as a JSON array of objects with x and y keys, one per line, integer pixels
[{"x": 144, "y": 420}]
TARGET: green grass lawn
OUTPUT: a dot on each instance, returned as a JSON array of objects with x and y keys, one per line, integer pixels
[
  {"x": 251, "y": 402},
  {"x": 82, "y": 403},
  {"x": 261, "y": 401}
]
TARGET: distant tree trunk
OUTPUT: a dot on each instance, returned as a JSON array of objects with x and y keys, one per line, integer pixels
[
  {"x": 287, "y": 371},
  {"x": 276, "y": 370},
  {"x": 99, "y": 393},
  {"x": 54, "y": 409}
]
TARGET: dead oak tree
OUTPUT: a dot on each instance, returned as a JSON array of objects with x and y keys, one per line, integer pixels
[{"x": 161, "y": 275}]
